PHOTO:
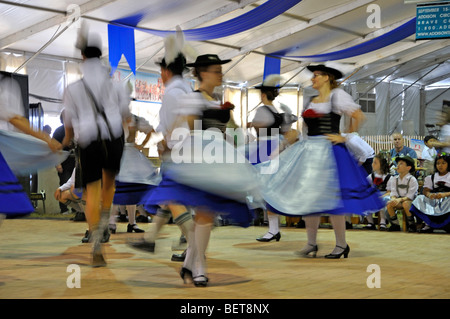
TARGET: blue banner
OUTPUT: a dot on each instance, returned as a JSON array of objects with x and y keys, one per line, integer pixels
[
  {"x": 121, "y": 42},
  {"x": 271, "y": 66},
  {"x": 382, "y": 41},
  {"x": 261, "y": 14}
]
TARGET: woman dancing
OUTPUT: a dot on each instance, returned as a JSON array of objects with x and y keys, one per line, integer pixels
[
  {"x": 197, "y": 173},
  {"x": 318, "y": 175}
]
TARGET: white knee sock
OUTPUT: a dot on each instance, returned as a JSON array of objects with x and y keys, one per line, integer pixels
[
  {"x": 186, "y": 223},
  {"x": 202, "y": 235},
  {"x": 162, "y": 217},
  {"x": 274, "y": 225}
]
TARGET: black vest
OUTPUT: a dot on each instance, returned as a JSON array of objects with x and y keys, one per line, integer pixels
[
  {"x": 325, "y": 124},
  {"x": 382, "y": 186},
  {"x": 440, "y": 187}
]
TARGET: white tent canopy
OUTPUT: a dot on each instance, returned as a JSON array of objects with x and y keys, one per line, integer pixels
[{"x": 39, "y": 30}]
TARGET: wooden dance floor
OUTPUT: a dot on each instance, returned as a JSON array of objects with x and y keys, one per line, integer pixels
[{"x": 35, "y": 255}]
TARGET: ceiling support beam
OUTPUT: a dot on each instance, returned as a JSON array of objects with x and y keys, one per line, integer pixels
[
  {"x": 421, "y": 48},
  {"x": 59, "y": 19}
]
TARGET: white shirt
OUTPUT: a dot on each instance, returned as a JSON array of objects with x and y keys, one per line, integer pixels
[
  {"x": 79, "y": 107},
  {"x": 402, "y": 192},
  {"x": 70, "y": 182},
  {"x": 360, "y": 149},
  {"x": 174, "y": 92},
  {"x": 437, "y": 178},
  {"x": 10, "y": 102},
  {"x": 382, "y": 177},
  {"x": 429, "y": 153}
]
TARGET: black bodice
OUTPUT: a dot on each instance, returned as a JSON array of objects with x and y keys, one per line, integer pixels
[
  {"x": 320, "y": 124},
  {"x": 215, "y": 118},
  {"x": 439, "y": 187}
]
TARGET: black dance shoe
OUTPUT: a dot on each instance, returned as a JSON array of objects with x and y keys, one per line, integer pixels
[
  {"x": 310, "y": 251},
  {"x": 179, "y": 257},
  {"x": 394, "y": 227},
  {"x": 134, "y": 228},
  {"x": 186, "y": 275},
  {"x": 426, "y": 230},
  {"x": 200, "y": 281},
  {"x": 276, "y": 237},
  {"x": 337, "y": 256},
  {"x": 142, "y": 245}
]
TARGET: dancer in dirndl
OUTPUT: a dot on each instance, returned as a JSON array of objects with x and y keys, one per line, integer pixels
[
  {"x": 205, "y": 170},
  {"x": 23, "y": 151},
  {"x": 318, "y": 175},
  {"x": 137, "y": 175}
]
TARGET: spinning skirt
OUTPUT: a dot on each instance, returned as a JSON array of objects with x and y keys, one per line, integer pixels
[
  {"x": 137, "y": 177},
  {"x": 207, "y": 172},
  {"x": 26, "y": 154},
  {"x": 316, "y": 177}
]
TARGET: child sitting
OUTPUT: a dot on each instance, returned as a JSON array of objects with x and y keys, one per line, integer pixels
[
  {"x": 379, "y": 178},
  {"x": 433, "y": 207},
  {"x": 404, "y": 189}
]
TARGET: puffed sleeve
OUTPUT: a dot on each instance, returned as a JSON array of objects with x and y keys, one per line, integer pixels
[
  {"x": 11, "y": 99},
  {"x": 263, "y": 117},
  {"x": 342, "y": 102},
  {"x": 428, "y": 183}
]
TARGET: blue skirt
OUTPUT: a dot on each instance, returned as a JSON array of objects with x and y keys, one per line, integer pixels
[
  {"x": 316, "y": 177},
  {"x": 434, "y": 212},
  {"x": 14, "y": 202},
  {"x": 171, "y": 192},
  {"x": 131, "y": 193}
]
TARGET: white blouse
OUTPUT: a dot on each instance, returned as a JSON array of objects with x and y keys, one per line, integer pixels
[
  {"x": 437, "y": 178},
  {"x": 340, "y": 102}
]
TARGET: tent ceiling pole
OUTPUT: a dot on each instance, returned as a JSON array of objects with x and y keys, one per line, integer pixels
[
  {"x": 44, "y": 47},
  {"x": 438, "y": 96},
  {"x": 436, "y": 66},
  {"x": 376, "y": 84}
]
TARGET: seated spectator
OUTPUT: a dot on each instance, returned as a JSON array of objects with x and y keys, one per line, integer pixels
[
  {"x": 429, "y": 152},
  {"x": 380, "y": 178},
  {"x": 433, "y": 207},
  {"x": 70, "y": 196},
  {"x": 404, "y": 187}
]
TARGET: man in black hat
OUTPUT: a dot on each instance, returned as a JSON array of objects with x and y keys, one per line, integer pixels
[
  {"x": 404, "y": 189},
  {"x": 175, "y": 88}
]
